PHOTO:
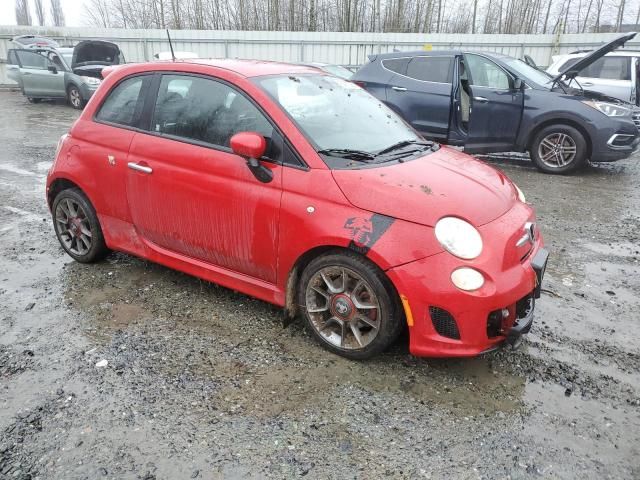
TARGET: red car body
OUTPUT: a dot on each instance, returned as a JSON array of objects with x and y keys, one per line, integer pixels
[{"x": 203, "y": 212}]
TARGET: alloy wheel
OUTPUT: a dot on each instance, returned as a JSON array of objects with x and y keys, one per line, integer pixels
[
  {"x": 74, "y": 97},
  {"x": 343, "y": 308},
  {"x": 557, "y": 150},
  {"x": 73, "y": 227}
]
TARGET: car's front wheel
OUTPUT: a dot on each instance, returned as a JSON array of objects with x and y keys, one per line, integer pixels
[
  {"x": 77, "y": 226},
  {"x": 349, "y": 305},
  {"x": 559, "y": 149},
  {"x": 75, "y": 97}
]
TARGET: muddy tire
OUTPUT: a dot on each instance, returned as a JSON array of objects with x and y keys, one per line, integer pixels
[
  {"x": 559, "y": 149},
  {"x": 75, "y": 97},
  {"x": 349, "y": 305},
  {"x": 33, "y": 100},
  {"x": 77, "y": 227}
]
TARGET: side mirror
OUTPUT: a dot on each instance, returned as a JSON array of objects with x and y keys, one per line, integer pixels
[
  {"x": 252, "y": 146},
  {"x": 518, "y": 84},
  {"x": 52, "y": 69}
]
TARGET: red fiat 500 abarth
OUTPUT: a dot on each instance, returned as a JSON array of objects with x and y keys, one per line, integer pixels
[{"x": 305, "y": 191}]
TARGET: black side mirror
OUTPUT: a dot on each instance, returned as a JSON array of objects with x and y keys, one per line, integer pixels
[
  {"x": 518, "y": 84},
  {"x": 52, "y": 69}
]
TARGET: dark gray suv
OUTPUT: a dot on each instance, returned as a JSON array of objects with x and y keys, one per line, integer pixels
[{"x": 489, "y": 102}]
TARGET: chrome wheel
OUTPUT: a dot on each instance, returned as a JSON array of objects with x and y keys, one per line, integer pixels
[
  {"x": 74, "y": 97},
  {"x": 557, "y": 150},
  {"x": 73, "y": 227},
  {"x": 343, "y": 308}
]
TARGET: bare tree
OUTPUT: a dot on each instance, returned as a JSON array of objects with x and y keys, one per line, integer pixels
[
  {"x": 57, "y": 15},
  {"x": 23, "y": 15},
  {"x": 39, "y": 12}
]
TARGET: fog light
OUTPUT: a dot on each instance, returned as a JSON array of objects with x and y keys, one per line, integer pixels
[{"x": 467, "y": 279}]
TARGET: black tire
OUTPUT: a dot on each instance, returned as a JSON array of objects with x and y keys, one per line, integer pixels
[
  {"x": 389, "y": 316},
  {"x": 74, "y": 97},
  {"x": 34, "y": 100},
  {"x": 565, "y": 137},
  {"x": 86, "y": 217}
]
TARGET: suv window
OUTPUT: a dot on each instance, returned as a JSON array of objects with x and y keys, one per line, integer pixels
[
  {"x": 205, "y": 110},
  {"x": 398, "y": 65},
  {"x": 431, "y": 69},
  {"x": 485, "y": 73},
  {"x": 609, "y": 67},
  {"x": 12, "y": 58},
  {"x": 123, "y": 105},
  {"x": 32, "y": 60}
]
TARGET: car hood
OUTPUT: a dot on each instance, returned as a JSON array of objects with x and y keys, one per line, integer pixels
[
  {"x": 95, "y": 53},
  {"x": 573, "y": 70},
  {"x": 442, "y": 183}
]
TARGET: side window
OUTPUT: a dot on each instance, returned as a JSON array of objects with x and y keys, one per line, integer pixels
[
  {"x": 12, "y": 58},
  {"x": 205, "y": 110},
  {"x": 609, "y": 67},
  {"x": 123, "y": 105},
  {"x": 431, "y": 69},
  {"x": 32, "y": 60},
  {"x": 398, "y": 65},
  {"x": 54, "y": 60},
  {"x": 485, "y": 73},
  {"x": 568, "y": 63}
]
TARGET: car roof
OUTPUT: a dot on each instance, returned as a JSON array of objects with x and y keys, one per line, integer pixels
[
  {"x": 439, "y": 53},
  {"x": 248, "y": 68}
]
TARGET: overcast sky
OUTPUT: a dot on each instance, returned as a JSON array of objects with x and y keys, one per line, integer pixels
[{"x": 73, "y": 12}]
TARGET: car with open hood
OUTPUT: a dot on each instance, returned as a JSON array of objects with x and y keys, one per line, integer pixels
[
  {"x": 489, "y": 102},
  {"x": 303, "y": 190},
  {"x": 72, "y": 73}
]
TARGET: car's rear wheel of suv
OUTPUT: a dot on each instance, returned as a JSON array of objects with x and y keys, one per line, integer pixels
[
  {"x": 349, "y": 305},
  {"x": 75, "y": 97},
  {"x": 559, "y": 149},
  {"x": 77, "y": 226}
]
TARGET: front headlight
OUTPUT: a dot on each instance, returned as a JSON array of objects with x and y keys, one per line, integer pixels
[
  {"x": 459, "y": 238},
  {"x": 609, "y": 109},
  {"x": 520, "y": 194},
  {"x": 91, "y": 80}
]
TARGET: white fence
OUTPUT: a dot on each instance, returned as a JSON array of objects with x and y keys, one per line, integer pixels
[{"x": 342, "y": 48}]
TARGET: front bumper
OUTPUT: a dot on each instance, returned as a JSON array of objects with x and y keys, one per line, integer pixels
[
  {"x": 615, "y": 143},
  {"x": 448, "y": 322},
  {"x": 87, "y": 90}
]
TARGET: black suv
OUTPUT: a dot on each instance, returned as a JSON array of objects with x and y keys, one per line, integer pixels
[{"x": 489, "y": 102}]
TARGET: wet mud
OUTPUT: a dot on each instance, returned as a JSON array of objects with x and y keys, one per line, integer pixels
[{"x": 125, "y": 369}]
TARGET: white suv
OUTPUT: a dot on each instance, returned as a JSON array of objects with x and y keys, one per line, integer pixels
[{"x": 616, "y": 74}]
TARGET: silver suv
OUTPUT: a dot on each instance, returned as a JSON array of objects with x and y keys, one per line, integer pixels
[{"x": 72, "y": 73}]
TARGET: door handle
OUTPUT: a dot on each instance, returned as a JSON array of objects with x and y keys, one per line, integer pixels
[
  {"x": 139, "y": 168},
  {"x": 481, "y": 99},
  {"x": 399, "y": 89}
]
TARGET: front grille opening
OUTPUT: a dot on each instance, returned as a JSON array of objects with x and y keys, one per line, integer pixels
[
  {"x": 524, "y": 306},
  {"x": 494, "y": 324},
  {"x": 444, "y": 323}
]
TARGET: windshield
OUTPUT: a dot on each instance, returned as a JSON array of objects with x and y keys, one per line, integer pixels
[
  {"x": 527, "y": 72},
  {"x": 336, "y": 114},
  {"x": 67, "y": 57}
]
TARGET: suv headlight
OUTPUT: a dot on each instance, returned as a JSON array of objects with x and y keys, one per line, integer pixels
[
  {"x": 609, "y": 109},
  {"x": 91, "y": 80},
  {"x": 459, "y": 238}
]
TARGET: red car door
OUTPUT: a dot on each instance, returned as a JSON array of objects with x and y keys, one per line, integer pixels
[{"x": 189, "y": 194}]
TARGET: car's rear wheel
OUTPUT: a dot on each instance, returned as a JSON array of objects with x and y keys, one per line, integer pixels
[
  {"x": 349, "y": 305},
  {"x": 75, "y": 97},
  {"x": 559, "y": 149},
  {"x": 77, "y": 226},
  {"x": 33, "y": 100}
]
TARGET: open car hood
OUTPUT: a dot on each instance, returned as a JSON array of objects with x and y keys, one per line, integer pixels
[
  {"x": 573, "y": 70},
  {"x": 442, "y": 183},
  {"x": 95, "y": 52}
]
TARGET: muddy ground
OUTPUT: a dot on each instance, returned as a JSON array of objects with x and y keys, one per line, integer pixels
[{"x": 203, "y": 382}]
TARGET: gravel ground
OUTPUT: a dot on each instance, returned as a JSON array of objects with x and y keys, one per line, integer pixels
[{"x": 203, "y": 382}]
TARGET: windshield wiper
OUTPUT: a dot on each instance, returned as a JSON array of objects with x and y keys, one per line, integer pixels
[
  {"x": 405, "y": 143},
  {"x": 348, "y": 153}
]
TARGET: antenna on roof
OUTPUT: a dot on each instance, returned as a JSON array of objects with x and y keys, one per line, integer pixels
[{"x": 173, "y": 55}]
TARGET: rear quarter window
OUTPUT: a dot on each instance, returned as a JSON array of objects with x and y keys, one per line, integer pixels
[
  {"x": 431, "y": 69},
  {"x": 123, "y": 105},
  {"x": 397, "y": 65}
]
